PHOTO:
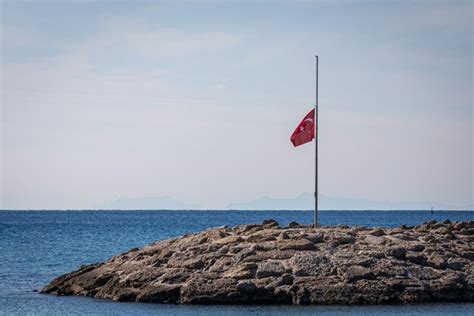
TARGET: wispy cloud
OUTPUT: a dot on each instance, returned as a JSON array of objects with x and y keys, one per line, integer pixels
[{"x": 191, "y": 108}]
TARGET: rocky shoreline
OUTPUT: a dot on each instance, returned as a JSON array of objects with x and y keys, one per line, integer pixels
[{"x": 269, "y": 264}]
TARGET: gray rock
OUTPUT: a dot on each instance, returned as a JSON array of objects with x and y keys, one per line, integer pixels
[
  {"x": 355, "y": 273},
  {"x": 442, "y": 230},
  {"x": 396, "y": 251},
  {"x": 437, "y": 262},
  {"x": 160, "y": 293},
  {"x": 314, "y": 237},
  {"x": 267, "y": 264},
  {"x": 344, "y": 239},
  {"x": 294, "y": 225},
  {"x": 270, "y": 268},
  {"x": 247, "y": 287},
  {"x": 377, "y": 232},
  {"x": 286, "y": 279},
  {"x": 270, "y": 223},
  {"x": 416, "y": 258},
  {"x": 283, "y": 236},
  {"x": 374, "y": 240},
  {"x": 456, "y": 264},
  {"x": 301, "y": 244},
  {"x": 459, "y": 226},
  {"x": 309, "y": 264}
]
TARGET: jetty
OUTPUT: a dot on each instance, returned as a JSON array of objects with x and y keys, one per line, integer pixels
[{"x": 296, "y": 264}]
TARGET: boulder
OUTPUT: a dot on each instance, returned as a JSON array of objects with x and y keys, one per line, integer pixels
[
  {"x": 309, "y": 264},
  {"x": 377, "y": 232},
  {"x": 355, "y": 273},
  {"x": 437, "y": 262},
  {"x": 283, "y": 236},
  {"x": 374, "y": 240},
  {"x": 344, "y": 239},
  {"x": 270, "y": 223},
  {"x": 301, "y": 244},
  {"x": 270, "y": 269},
  {"x": 396, "y": 251},
  {"x": 294, "y": 225}
]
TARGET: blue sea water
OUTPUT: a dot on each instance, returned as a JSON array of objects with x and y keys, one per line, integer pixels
[{"x": 36, "y": 246}]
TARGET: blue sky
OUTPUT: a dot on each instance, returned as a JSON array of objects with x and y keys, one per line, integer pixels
[{"x": 196, "y": 100}]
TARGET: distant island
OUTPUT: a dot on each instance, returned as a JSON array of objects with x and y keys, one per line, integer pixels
[
  {"x": 304, "y": 201},
  {"x": 268, "y": 264}
]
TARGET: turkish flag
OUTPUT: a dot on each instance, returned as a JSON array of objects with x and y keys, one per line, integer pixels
[{"x": 304, "y": 132}]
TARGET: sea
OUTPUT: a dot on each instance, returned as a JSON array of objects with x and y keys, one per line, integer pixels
[{"x": 37, "y": 246}]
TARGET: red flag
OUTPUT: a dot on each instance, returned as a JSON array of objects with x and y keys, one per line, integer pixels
[{"x": 304, "y": 132}]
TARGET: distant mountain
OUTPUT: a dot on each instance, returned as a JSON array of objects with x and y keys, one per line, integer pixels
[
  {"x": 305, "y": 201},
  {"x": 149, "y": 203}
]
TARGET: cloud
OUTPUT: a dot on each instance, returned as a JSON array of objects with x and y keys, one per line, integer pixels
[
  {"x": 16, "y": 37},
  {"x": 456, "y": 15},
  {"x": 139, "y": 109},
  {"x": 138, "y": 41}
]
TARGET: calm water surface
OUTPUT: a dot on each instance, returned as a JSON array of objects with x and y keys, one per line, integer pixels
[{"x": 36, "y": 246}]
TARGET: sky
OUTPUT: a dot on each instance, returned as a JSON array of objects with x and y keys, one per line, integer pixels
[{"x": 196, "y": 100}]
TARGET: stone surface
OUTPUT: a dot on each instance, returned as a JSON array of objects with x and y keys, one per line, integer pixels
[
  {"x": 377, "y": 232},
  {"x": 269, "y": 264}
]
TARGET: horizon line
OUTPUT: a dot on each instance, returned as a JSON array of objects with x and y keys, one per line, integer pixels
[{"x": 237, "y": 210}]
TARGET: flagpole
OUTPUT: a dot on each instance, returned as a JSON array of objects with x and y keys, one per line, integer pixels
[{"x": 316, "y": 114}]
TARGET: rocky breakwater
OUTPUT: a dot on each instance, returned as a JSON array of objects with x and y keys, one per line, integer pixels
[{"x": 268, "y": 264}]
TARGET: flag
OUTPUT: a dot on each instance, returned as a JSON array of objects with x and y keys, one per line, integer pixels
[{"x": 304, "y": 132}]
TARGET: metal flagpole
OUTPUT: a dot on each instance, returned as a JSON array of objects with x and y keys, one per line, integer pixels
[{"x": 316, "y": 116}]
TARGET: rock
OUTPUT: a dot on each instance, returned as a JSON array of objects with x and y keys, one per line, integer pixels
[
  {"x": 246, "y": 228},
  {"x": 228, "y": 240},
  {"x": 416, "y": 258},
  {"x": 469, "y": 255},
  {"x": 429, "y": 238},
  {"x": 309, "y": 264},
  {"x": 244, "y": 253},
  {"x": 270, "y": 223},
  {"x": 283, "y": 236},
  {"x": 459, "y": 226},
  {"x": 270, "y": 268},
  {"x": 294, "y": 225},
  {"x": 344, "y": 239},
  {"x": 417, "y": 247},
  {"x": 301, "y": 244},
  {"x": 193, "y": 263},
  {"x": 437, "y": 262},
  {"x": 125, "y": 295},
  {"x": 442, "y": 231},
  {"x": 265, "y": 246},
  {"x": 286, "y": 279},
  {"x": 268, "y": 264},
  {"x": 377, "y": 232},
  {"x": 258, "y": 237},
  {"x": 402, "y": 236},
  {"x": 415, "y": 294},
  {"x": 246, "y": 287},
  {"x": 374, "y": 240},
  {"x": 242, "y": 271},
  {"x": 456, "y": 264},
  {"x": 314, "y": 237},
  {"x": 464, "y": 231},
  {"x": 396, "y": 251},
  {"x": 355, "y": 273},
  {"x": 159, "y": 294}
]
